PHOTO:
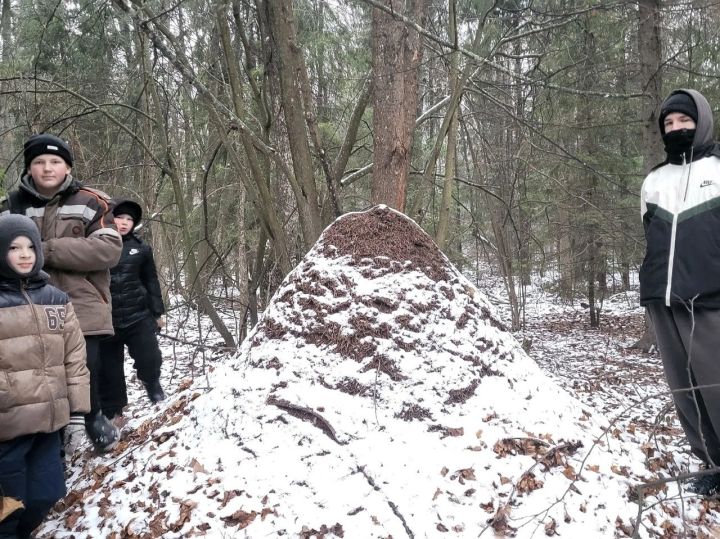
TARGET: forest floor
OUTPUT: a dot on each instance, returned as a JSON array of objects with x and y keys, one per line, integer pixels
[
  {"x": 626, "y": 385},
  {"x": 382, "y": 397},
  {"x": 596, "y": 366}
]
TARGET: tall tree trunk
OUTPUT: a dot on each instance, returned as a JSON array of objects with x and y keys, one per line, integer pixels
[
  {"x": 441, "y": 236},
  {"x": 588, "y": 144},
  {"x": 396, "y": 53},
  {"x": 650, "y": 54},
  {"x": 288, "y": 50},
  {"x": 6, "y": 30}
]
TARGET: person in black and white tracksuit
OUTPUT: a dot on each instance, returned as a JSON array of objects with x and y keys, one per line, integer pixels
[
  {"x": 137, "y": 314},
  {"x": 680, "y": 275}
]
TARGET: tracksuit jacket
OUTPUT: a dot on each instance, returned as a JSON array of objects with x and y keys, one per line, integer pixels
[{"x": 680, "y": 208}]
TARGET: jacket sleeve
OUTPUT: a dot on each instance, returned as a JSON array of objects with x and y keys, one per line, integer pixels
[
  {"x": 643, "y": 204},
  {"x": 100, "y": 249},
  {"x": 148, "y": 275},
  {"x": 76, "y": 372}
]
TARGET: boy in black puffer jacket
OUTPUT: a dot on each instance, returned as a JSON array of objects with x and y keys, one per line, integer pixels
[{"x": 137, "y": 315}]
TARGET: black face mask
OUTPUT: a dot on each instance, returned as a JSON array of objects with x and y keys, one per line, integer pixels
[{"x": 678, "y": 142}]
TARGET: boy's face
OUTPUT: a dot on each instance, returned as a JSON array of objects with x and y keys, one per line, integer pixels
[
  {"x": 48, "y": 172},
  {"x": 21, "y": 255},
  {"x": 124, "y": 223}
]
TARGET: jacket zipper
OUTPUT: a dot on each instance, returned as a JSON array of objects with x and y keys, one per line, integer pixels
[
  {"x": 44, "y": 354},
  {"x": 673, "y": 233}
]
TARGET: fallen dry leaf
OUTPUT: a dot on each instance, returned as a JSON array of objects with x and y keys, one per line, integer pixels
[
  {"x": 240, "y": 518},
  {"x": 569, "y": 472},
  {"x": 197, "y": 467},
  {"x": 528, "y": 483}
]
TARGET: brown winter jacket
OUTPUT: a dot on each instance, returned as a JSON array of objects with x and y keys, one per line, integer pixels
[
  {"x": 80, "y": 244},
  {"x": 43, "y": 375}
]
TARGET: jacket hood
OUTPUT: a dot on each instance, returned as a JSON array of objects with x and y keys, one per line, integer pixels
[
  {"x": 70, "y": 185},
  {"x": 705, "y": 123},
  {"x": 13, "y": 226},
  {"x": 129, "y": 206}
]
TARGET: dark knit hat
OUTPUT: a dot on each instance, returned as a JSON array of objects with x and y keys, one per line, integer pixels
[
  {"x": 45, "y": 143},
  {"x": 12, "y": 226},
  {"x": 678, "y": 102},
  {"x": 128, "y": 207}
]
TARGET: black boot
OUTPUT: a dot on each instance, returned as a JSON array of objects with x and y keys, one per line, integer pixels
[
  {"x": 705, "y": 485},
  {"x": 101, "y": 432},
  {"x": 154, "y": 391}
]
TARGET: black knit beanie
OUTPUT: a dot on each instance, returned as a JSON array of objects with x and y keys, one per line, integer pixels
[
  {"x": 12, "y": 226},
  {"x": 45, "y": 143},
  {"x": 128, "y": 207},
  {"x": 678, "y": 102}
]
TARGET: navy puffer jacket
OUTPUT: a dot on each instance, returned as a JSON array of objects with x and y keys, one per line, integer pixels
[{"x": 134, "y": 284}]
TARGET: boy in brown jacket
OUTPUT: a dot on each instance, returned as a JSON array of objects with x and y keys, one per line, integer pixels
[
  {"x": 80, "y": 244},
  {"x": 43, "y": 378}
]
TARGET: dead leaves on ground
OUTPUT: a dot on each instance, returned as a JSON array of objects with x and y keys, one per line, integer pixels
[
  {"x": 311, "y": 533},
  {"x": 547, "y": 455},
  {"x": 157, "y": 514},
  {"x": 528, "y": 482}
]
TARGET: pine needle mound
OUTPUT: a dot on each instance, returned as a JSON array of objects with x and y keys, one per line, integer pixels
[
  {"x": 376, "y": 304},
  {"x": 379, "y": 396}
]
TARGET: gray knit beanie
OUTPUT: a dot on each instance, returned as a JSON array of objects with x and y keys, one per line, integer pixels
[{"x": 12, "y": 226}]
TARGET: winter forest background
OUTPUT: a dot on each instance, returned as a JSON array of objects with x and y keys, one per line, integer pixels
[
  {"x": 515, "y": 133},
  {"x": 245, "y": 127}
]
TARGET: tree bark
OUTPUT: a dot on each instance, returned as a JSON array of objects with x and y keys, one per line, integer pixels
[
  {"x": 650, "y": 54},
  {"x": 6, "y": 30},
  {"x": 591, "y": 255},
  {"x": 441, "y": 235},
  {"x": 288, "y": 50},
  {"x": 396, "y": 53}
]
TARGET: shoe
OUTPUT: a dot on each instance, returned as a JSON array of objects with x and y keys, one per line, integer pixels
[
  {"x": 705, "y": 485},
  {"x": 154, "y": 391},
  {"x": 102, "y": 433}
]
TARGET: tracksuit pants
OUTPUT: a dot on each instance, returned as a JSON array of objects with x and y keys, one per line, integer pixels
[
  {"x": 92, "y": 347},
  {"x": 32, "y": 472},
  {"x": 141, "y": 340},
  {"x": 689, "y": 344}
]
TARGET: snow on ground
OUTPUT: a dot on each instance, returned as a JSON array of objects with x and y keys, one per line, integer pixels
[{"x": 381, "y": 396}]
